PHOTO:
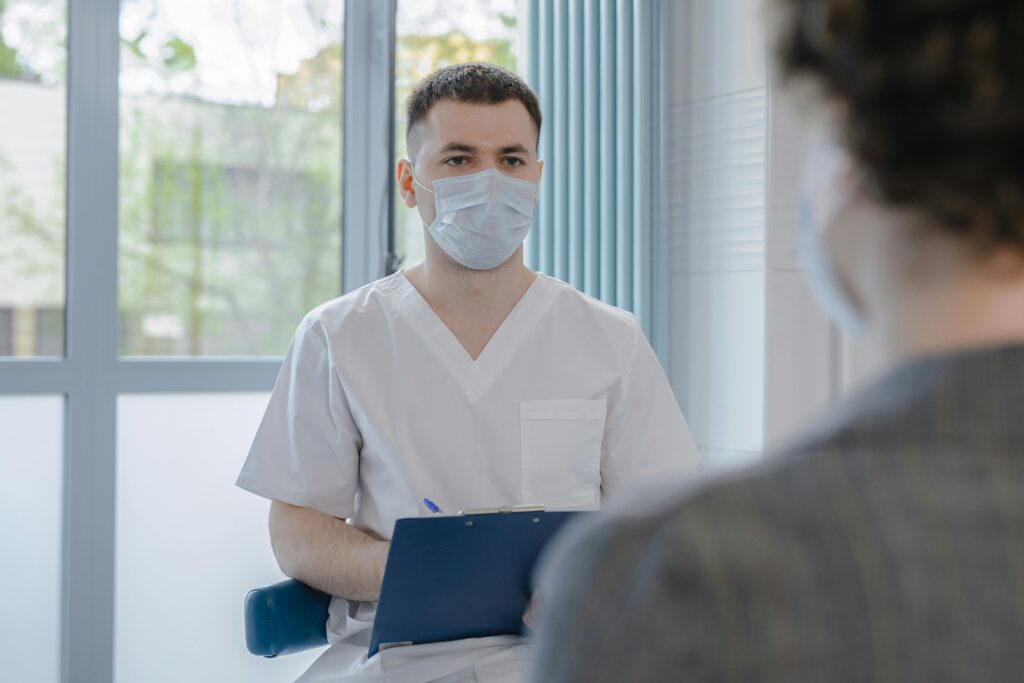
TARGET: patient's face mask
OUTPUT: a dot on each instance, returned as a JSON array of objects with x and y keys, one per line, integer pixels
[
  {"x": 481, "y": 218},
  {"x": 830, "y": 189}
]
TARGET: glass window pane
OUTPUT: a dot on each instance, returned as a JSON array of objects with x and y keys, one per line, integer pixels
[
  {"x": 33, "y": 63},
  {"x": 189, "y": 543},
  {"x": 432, "y": 34},
  {"x": 230, "y": 187},
  {"x": 30, "y": 531}
]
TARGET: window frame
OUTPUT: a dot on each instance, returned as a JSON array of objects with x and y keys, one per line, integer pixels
[{"x": 91, "y": 375}]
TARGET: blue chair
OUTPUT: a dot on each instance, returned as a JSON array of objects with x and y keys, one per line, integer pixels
[{"x": 285, "y": 618}]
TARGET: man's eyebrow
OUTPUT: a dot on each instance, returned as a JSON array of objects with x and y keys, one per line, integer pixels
[
  {"x": 459, "y": 147},
  {"x": 470, "y": 149}
]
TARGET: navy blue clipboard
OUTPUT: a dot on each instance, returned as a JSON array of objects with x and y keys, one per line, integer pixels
[{"x": 465, "y": 576}]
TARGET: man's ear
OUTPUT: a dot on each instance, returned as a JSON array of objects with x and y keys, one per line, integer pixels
[
  {"x": 403, "y": 174},
  {"x": 540, "y": 167}
]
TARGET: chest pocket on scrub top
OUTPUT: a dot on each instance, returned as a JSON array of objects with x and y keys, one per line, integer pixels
[{"x": 561, "y": 451}]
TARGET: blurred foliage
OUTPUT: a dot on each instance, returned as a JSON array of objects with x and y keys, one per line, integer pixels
[
  {"x": 229, "y": 216},
  {"x": 178, "y": 55},
  {"x": 419, "y": 55},
  {"x": 315, "y": 85},
  {"x": 12, "y": 65},
  {"x": 175, "y": 53},
  {"x": 9, "y": 65}
]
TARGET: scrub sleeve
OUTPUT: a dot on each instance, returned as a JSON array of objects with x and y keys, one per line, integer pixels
[
  {"x": 306, "y": 450},
  {"x": 646, "y": 435}
]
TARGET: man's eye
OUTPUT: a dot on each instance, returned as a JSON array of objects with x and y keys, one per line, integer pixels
[
  {"x": 456, "y": 161},
  {"x": 514, "y": 161}
]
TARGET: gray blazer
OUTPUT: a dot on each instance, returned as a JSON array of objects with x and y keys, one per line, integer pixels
[{"x": 887, "y": 546}]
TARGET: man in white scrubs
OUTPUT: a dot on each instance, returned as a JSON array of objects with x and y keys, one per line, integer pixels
[{"x": 467, "y": 379}]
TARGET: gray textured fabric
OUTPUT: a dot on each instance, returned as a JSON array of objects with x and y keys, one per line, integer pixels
[{"x": 887, "y": 546}]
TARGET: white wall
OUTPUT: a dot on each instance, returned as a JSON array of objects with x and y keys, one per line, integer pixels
[
  {"x": 803, "y": 350},
  {"x": 717, "y": 166},
  {"x": 751, "y": 357}
]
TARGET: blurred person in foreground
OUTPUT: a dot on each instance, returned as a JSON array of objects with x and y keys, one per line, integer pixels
[{"x": 888, "y": 542}]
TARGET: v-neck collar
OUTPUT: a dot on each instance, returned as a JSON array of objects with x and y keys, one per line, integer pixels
[{"x": 475, "y": 376}]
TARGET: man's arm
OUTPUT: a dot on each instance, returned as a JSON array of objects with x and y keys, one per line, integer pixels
[{"x": 327, "y": 553}]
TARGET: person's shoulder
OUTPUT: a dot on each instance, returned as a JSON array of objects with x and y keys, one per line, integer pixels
[
  {"x": 605, "y": 328},
  {"x": 729, "y": 510},
  {"x": 670, "y": 560},
  {"x": 610, "y": 336},
  {"x": 358, "y": 307},
  {"x": 845, "y": 450},
  {"x": 570, "y": 299}
]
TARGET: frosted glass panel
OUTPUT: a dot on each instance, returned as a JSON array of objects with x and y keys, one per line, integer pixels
[
  {"x": 31, "y": 459},
  {"x": 189, "y": 543}
]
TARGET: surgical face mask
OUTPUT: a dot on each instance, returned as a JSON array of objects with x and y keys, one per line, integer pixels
[
  {"x": 827, "y": 194},
  {"x": 481, "y": 218}
]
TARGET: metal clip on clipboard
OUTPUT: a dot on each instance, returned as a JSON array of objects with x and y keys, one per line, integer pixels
[{"x": 507, "y": 509}]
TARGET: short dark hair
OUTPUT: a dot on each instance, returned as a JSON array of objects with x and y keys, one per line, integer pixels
[
  {"x": 933, "y": 100},
  {"x": 473, "y": 82}
]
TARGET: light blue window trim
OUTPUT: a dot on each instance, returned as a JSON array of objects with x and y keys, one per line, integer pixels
[
  {"x": 597, "y": 67},
  {"x": 660, "y": 312},
  {"x": 574, "y": 140}
]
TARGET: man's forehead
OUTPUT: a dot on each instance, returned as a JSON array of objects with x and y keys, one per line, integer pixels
[{"x": 473, "y": 127}]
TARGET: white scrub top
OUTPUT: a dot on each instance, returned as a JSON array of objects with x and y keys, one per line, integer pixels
[{"x": 379, "y": 406}]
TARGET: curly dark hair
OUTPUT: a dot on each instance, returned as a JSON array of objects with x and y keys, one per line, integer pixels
[
  {"x": 933, "y": 99},
  {"x": 474, "y": 82}
]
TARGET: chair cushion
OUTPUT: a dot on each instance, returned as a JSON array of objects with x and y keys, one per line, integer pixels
[{"x": 284, "y": 618}]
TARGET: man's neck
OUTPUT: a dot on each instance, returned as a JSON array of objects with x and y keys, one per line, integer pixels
[{"x": 472, "y": 304}]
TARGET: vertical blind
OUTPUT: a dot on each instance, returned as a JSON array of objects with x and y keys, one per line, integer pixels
[{"x": 596, "y": 66}]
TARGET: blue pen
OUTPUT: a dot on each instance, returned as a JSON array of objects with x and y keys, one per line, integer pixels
[{"x": 431, "y": 506}]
